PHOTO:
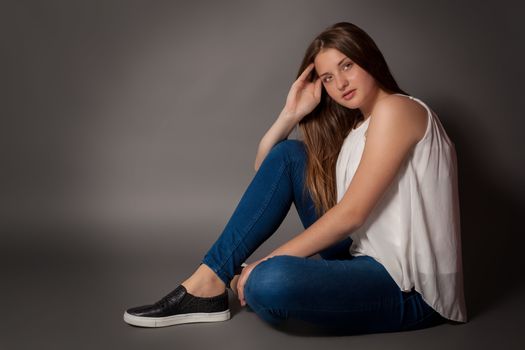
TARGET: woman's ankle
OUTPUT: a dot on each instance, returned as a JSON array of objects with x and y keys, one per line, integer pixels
[{"x": 204, "y": 283}]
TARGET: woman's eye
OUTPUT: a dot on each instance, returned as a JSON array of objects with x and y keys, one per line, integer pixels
[
  {"x": 348, "y": 64},
  {"x": 326, "y": 80}
]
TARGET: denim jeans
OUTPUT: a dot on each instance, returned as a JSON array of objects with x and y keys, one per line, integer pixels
[{"x": 338, "y": 292}]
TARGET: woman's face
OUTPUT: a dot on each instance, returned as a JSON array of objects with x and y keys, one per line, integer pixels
[{"x": 341, "y": 76}]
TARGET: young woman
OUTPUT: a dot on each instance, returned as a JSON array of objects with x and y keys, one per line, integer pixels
[{"x": 374, "y": 181}]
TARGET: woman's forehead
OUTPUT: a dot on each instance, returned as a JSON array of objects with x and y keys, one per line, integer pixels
[{"x": 328, "y": 59}]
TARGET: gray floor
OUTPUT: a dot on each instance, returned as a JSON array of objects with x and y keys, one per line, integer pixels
[{"x": 67, "y": 289}]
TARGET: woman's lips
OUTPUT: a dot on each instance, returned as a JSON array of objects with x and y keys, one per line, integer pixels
[{"x": 349, "y": 94}]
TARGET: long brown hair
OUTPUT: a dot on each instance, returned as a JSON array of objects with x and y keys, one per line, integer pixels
[{"x": 325, "y": 128}]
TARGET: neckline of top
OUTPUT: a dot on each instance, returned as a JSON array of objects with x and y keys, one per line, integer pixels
[
  {"x": 410, "y": 97},
  {"x": 362, "y": 123}
]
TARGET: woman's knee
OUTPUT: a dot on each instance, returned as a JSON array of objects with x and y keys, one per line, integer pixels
[
  {"x": 286, "y": 148},
  {"x": 268, "y": 283}
]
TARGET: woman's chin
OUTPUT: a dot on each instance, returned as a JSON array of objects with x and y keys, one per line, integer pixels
[{"x": 348, "y": 104}]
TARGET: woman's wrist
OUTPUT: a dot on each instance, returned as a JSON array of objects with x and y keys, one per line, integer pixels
[
  {"x": 284, "y": 125},
  {"x": 290, "y": 116}
]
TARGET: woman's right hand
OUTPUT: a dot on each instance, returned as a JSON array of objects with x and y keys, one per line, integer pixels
[{"x": 303, "y": 95}]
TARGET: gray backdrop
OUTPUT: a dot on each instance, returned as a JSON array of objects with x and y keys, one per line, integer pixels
[{"x": 129, "y": 131}]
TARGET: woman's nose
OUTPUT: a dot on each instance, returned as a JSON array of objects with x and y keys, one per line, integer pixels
[{"x": 342, "y": 83}]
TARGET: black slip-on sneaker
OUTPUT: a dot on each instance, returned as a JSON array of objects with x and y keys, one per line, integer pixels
[{"x": 180, "y": 307}]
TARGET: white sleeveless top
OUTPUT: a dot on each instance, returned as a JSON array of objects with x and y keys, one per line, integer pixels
[{"x": 414, "y": 231}]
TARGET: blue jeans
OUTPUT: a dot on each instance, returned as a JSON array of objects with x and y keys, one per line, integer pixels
[{"x": 339, "y": 292}]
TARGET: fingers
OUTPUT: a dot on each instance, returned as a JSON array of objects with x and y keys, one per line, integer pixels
[
  {"x": 317, "y": 88},
  {"x": 240, "y": 289},
  {"x": 240, "y": 296},
  {"x": 306, "y": 71},
  {"x": 242, "y": 280}
]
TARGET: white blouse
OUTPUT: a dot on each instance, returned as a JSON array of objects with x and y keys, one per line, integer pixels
[{"x": 414, "y": 231}]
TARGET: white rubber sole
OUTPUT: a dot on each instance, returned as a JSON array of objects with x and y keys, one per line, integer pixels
[{"x": 176, "y": 319}]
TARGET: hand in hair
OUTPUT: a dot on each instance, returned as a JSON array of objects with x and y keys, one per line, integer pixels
[{"x": 304, "y": 95}]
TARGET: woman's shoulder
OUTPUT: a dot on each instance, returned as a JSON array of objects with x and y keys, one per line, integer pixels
[
  {"x": 395, "y": 104},
  {"x": 404, "y": 111}
]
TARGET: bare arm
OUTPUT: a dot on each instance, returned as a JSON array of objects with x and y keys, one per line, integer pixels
[
  {"x": 280, "y": 130},
  {"x": 302, "y": 98}
]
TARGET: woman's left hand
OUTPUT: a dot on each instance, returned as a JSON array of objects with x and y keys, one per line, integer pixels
[{"x": 244, "y": 277}]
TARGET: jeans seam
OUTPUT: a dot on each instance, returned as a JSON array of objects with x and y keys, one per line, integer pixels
[
  {"x": 407, "y": 299},
  {"x": 419, "y": 321},
  {"x": 415, "y": 322},
  {"x": 300, "y": 310},
  {"x": 257, "y": 216},
  {"x": 287, "y": 311}
]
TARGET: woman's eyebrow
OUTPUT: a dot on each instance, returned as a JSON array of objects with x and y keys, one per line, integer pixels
[{"x": 344, "y": 58}]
